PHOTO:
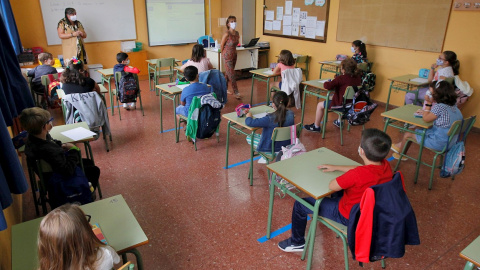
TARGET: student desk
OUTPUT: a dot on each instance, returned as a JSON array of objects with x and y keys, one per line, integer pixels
[
  {"x": 169, "y": 91},
  {"x": 246, "y": 58},
  {"x": 405, "y": 114},
  {"x": 56, "y": 134},
  {"x": 404, "y": 83},
  {"x": 329, "y": 67},
  {"x": 263, "y": 75},
  {"x": 302, "y": 172},
  {"x": 472, "y": 254},
  {"x": 116, "y": 220},
  {"x": 317, "y": 90},
  {"x": 152, "y": 68},
  {"x": 107, "y": 75},
  {"x": 179, "y": 73},
  {"x": 238, "y": 124}
]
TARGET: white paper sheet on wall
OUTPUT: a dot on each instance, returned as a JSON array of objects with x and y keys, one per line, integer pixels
[
  {"x": 277, "y": 25},
  {"x": 312, "y": 21},
  {"x": 320, "y": 31},
  {"x": 296, "y": 15},
  {"x": 303, "y": 30},
  {"x": 279, "y": 13},
  {"x": 269, "y": 15},
  {"x": 287, "y": 30},
  {"x": 287, "y": 20},
  {"x": 310, "y": 32},
  {"x": 303, "y": 15},
  {"x": 295, "y": 29},
  {"x": 288, "y": 7},
  {"x": 268, "y": 25}
]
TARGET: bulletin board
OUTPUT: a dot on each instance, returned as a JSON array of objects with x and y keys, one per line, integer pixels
[
  {"x": 297, "y": 19},
  {"x": 408, "y": 24}
]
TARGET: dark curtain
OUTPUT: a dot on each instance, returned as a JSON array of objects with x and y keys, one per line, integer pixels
[{"x": 7, "y": 16}]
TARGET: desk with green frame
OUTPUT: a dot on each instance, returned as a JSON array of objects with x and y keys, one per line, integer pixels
[
  {"x": 302, "y": 172},
  {"x": 169, "y": 91},
  {"x": 238, "y": 124},
  {"x": 404, "y": 83},
  {"x": 316, "y": 89},
  {"x": 116, "y": 220},
  {"x": 472, "y": 254},
  {"x": 107, "y": 75},
  {"x": 332, "y": 66},
  {"x": 405, "y": 115},
  {"x": 152, "y": 68},
  {"x": 56, "y": 134},
  {"x": 262, "y": 75}
]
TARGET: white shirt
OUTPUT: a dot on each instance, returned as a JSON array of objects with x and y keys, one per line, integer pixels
[
  {"x": 106, "y": 258},
  {"x": 446, "y": 72}
]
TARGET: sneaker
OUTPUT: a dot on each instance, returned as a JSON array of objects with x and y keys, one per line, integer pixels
[
  {"x": 287, "y": 246},
  {"x": 312, "y": 128},
  {"x": 397, "y": 156},
  {"x": 337, "y": 123},
  {"x": 133, "y": 106},
  {"x": 262, "y": 160},
  {"x": 126, "y": 107},
  {"x": 395, "y": 148}
]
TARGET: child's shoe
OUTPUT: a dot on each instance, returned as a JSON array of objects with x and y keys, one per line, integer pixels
[
  {"x": 312, "y": 128},
  {"x": 288, "y": 246},
  {"x": 133, "y": 106},
  {"x": 262, "y": 160},
  {"x": 126, "y": 107},
  {"x": 337, "y": 123}
]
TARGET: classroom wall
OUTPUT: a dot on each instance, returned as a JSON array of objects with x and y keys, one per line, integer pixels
[{"x": 391, "y": 62}]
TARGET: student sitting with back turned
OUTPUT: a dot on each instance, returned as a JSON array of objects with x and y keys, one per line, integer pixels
[
  {"x": 195, "y": 89},
  {"x": 442, "y": 113},
  {"x": 282, "y": 117},
  {"x": 122, "y": 66},
  {"x": 359, "y": 51},
  {"x": 285, "y": 61},
  {"x": 44, "y": 69},
  {"x": 350, "y": 75},
  {"x": 374, "y": 147},
  {"x": 199, "y": 60},
  {"x": 74, "y": 79},
  {"x": 66, "y": 241}
]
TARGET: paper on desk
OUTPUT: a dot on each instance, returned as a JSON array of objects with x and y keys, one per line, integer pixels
[
  {"x": 78, "y": 134},
  {"x": 268, "y": 72},
  {"x": 182, "y": 86},
  {"x": 419, "y": 80},
  {"x": 260, "y": 115},
  {"x": 322, "y": 81}
]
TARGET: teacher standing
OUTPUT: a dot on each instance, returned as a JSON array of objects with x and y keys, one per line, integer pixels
[
  {"x": 229, "y": 53},
  {"x": 71, "y": 32}
]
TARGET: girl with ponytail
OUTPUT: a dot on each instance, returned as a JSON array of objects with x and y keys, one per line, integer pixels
[
  {"x": 359, "y": 51},
  {"x": 281, "y": 117}
]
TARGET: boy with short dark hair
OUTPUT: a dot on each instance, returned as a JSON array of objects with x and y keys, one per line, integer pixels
[
  {"x": 123, "y": 66},
  {"x": 44, "y": 69},
  {"x": 195, "y": 89},
  {"x": 374, "y": 147}
]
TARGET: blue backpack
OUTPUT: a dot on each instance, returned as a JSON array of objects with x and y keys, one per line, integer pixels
[
  {"x": 454, "y": 160},
  {"x": 63, "y": 189}
]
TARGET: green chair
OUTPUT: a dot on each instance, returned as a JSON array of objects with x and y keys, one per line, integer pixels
[
  {"x": 118, "y": 76},
  {"x": 163, "y": 68},
  {"x": 38, "y": 167},
  {"x": 365, "y": 66},
  {"x": 45, "y": 82},
  {"x": 457, "y": 129},
  {"x": 349, "y": 93},
  {"x": 304, "y": 59}
]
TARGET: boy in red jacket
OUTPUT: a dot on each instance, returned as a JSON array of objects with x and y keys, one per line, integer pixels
[{"x": 373, "y": 149}]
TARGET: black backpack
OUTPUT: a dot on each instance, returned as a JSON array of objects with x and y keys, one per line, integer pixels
[
  {"x": 68, "y": 189},
  {"x": 358, "y": 113},
  {"x": 368, "y": 81},
  {"x": 127, "y": 88},
  {"x": 208, "y": 121}
]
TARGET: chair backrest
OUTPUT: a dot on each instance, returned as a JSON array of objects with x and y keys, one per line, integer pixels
[
  {"x": 462, "y": 129},
  {"x": 450, "y": 80},
  {"x": 46, "y": 80},
  {"x": 163, "y": 63},
  {"x": 283, "y": 133},
  {"x": 302, "y": 59}
]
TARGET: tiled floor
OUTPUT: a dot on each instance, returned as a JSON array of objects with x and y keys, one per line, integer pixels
[{"x": 198, "y": 215}]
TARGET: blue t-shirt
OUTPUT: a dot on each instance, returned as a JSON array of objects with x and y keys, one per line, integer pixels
[{"x": 193, "y": 90}]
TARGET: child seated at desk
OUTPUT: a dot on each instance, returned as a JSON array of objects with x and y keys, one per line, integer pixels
[
  {"x": 66, "y": 241},
  {"x": 359, "y": 51},
  {"x": 199, "y": 60},
  {"x": 374, "y": 147},
  {"x": 285, "y": 61},
  {"x": 123, "y": 66},
  {"x": 350, "y": 75},
  {"x": 195, "y": 89},
  {"x": 282, "y": 117},
  {"x": 44, "y": 69},
  {"x": 442, "y": 113},
  {"x": 64, "y": 158},
  {"x": 75, "y": 80}
]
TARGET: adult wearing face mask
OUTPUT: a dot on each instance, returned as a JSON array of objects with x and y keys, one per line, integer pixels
[
  {"x": 71, "y": 32},
  {"x": 228, "y": 47}
]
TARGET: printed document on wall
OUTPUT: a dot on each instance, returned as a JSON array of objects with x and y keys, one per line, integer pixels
[
  {"x": 288, "y": 7},
  {"x": 277, "y": 25},
  {"x": 268, "y": 25},
  {"x": 269, "y": 15},
  {"x": 279, "y": 13},
  {"x": 320, "y": 29}
]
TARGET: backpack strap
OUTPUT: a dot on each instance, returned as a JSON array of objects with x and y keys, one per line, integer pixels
[
  {"x": 293, "y": 134},
  {"x": 51, "y": 78}
]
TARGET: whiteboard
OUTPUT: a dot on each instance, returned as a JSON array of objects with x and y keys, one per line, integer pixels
[
  {"x": 103, "y": 20},
  {"x": 175, "y": 22}
]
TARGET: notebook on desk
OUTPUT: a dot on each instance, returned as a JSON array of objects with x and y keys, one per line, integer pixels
[{"x": 252, "y": 43}]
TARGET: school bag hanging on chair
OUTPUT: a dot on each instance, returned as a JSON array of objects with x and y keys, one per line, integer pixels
[
  {"x": 454, "y": 161},
  {"x": 127, "y": 88},
  {"x": 361, "y": 108},
  {"x": 368, "y": 81}
]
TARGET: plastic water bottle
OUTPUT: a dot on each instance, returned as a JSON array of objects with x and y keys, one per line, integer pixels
[{"x": 176, "y": 81}]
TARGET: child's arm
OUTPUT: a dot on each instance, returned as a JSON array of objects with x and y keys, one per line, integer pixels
[
  {"x": 257, "y": 122},
  {"x": 332, "y": 168},
  {"x": 133, "y": 70},
  {"x": 428, "y": 116},
  {"x": 277, "y": 70},
  {"x": 334, "y": 84},
  {"x": 333, "y": 185},
  {"x": 31, "y": 73}
]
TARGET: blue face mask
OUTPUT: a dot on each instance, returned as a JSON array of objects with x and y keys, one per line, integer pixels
[{"x": 439, "y": 62}]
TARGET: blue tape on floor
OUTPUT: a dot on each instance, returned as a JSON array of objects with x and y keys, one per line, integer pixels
[
  {"x": 277, "y": 232},
  {"x": 259, "y": 104},
  {"x": 240, "y": 163},
  {"x": 169, "y": 130},
  {"x": 390, "y": 159}
]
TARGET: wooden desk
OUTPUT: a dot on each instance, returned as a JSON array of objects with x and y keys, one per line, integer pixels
[
  {"x": 332, "y": 66},
  {"x": 405, "y": 114},
  {"x": 404, "y": 83},
  {"x": 118, "y": 224},
  {"x": 302, "y": 172},
  {"x": 238, "y": 124},
  {"x": 107, "y": 75},
  {"x": 472, "y": 254},
  {"x": 317, "y": 90},
  {"x": 169, "y": 91},
  {"x": 261, "y": 75},
  {"x": 246, "y": 58}
]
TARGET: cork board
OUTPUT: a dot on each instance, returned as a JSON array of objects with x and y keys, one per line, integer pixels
[
  {"x": 408, "y": 24},
  {"x": 296, "y": 19}
]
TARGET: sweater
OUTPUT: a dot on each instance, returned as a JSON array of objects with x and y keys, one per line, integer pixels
[{"x": 340, "y": 84}]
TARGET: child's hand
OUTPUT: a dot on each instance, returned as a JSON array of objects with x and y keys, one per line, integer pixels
[
  {"x": 434, "y": 66},
  {"x": 67, "y": 146},
  {"x": 249, "y": 114},
  {"x": 428, "y": 99},
  {"x": 419, "y": 112},
  {"x": 327, "y": 168}
]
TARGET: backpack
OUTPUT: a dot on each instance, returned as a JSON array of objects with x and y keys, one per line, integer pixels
[
  {"x": 359, "y": 111},
  {"x": 208, "y": 121},
  {"x": 53, "y": 100},
  {"x": 68, "y": 189},
  {"x": 454, "y": 160},
  {"x": 127, "y": 88},
  {"x": 368, "y": 81}
]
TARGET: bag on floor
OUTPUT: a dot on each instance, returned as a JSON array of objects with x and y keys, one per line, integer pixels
[
  {"x": 127, "y": 88},
  {"x": 454, "y": 161},
  {"x": 208, "y": 121}
]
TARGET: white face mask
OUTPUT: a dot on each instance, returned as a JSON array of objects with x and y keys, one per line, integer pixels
[
  {"x": 73, "y": 18},
  {"x": 359, "y": 151},
  {"x": 233, "y": 25},
  {"x": 127, "y": 62},
  {"x": 352, "y": 49}
]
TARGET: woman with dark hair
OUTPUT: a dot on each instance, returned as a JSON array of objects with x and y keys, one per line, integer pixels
[
  {"x": 199, "y": 60},
  {"x": 228, "y": 48},
  {"x": 74, "y": 79},
  {"x": 71, "y": 32}
]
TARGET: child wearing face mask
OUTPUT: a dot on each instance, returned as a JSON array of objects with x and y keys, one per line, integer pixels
[
  {"x": 359, "y": 51},
  {"x": 123, "y": 66},
  {"x": 446, "y": 66},
  {"x": 374, "y": 147},
  {"x": 75, "y": 79}
]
